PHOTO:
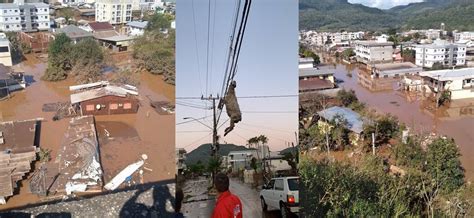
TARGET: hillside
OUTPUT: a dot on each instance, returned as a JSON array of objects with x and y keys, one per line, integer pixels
[
  {"x": 203, "y": 152},
  {"x": 337, "y": 15}
]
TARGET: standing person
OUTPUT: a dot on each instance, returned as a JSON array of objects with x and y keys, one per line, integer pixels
[{"x": 227, "y": 205}]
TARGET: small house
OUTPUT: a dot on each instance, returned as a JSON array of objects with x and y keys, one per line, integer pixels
[
  {"x": 354, "y": 120},
  {"x": 137, "y": 28},
  {"x": 10, "y": 81},
  {"x": 459, "y": 82},
  {"x": 74, "y": 33}
]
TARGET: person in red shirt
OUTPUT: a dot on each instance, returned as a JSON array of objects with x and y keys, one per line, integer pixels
[{"x": 227, "y": 205}]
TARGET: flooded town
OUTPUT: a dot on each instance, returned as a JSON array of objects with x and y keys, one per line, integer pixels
[{"x": 104, "y": 127}]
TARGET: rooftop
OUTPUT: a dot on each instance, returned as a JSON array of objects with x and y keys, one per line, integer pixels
[
  {"x": 318, "y": 71},
  {"x": 396, "y": 66},
  {"x": 374, "y": 43},
  {"x": 101, "y": 92},
  {"x": 138, "y": 24},
  {"x": 73, "y": 32},
  {"x": 446, "y": 75},
  {"x": 101, "y": 26},
  {"x": 354, "y": 120},
  {"x": 314, "y": 84}
]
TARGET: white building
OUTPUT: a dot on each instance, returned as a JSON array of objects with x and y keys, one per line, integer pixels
[
  {"x": 458, "y": 36},
  {"x": 324, "y": 38},
  {"x": 25, "y": 17},
  {"x": 440, "y": 51},
  {"x": 374, "y": 52},
  {"x": 137, "y": 28},
  {"x": 459, "y": 82},
  {"x": 115, "y": 11},
  {"x": 5, "y": 54}
]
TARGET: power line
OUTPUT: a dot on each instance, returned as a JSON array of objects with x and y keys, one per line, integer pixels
[
  {"x": 270, "y": 112},
  {"x": 194, "y": 120},
  {"x": 261, "y": 96},
  {"x": 197, "y": 47},
  {"x": 194, "y": 142},
  {"x": 207, "y": 48}
]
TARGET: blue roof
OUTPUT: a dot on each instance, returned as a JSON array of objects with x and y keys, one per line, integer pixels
[
  {"x": 138, "y": 24},
  {"x": 353, "y": 119}
]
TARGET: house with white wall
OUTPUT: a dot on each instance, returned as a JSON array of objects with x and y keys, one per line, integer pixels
[{"x": 458, "y": 82}]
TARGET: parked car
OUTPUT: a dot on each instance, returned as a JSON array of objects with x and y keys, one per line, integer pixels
[{"x": 281, "y": 193}]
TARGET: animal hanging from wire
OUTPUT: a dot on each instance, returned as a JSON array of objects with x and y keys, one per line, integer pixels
[{"x": 232, "y": 107}]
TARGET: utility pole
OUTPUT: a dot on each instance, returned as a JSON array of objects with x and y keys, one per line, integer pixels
[{"x": 215, "y": 146}]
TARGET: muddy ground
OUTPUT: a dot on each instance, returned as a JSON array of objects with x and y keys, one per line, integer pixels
[{"x": 130, "y": 136}]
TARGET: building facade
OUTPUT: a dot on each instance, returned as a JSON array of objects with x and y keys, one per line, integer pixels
[
  {"x": 115, "y": 11},
  {"x": 440, "y": 51},
  {"x": 27, "y": 17},
  {"x": 5, "y": 53},
  {"x": 374, "y": 52},
  {"x": 459, "y": 83}
]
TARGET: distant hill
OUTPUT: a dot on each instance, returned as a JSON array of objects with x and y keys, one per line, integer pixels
[
  {"x": 338, "y": 15},
  {"x": 203, "y": 152}
]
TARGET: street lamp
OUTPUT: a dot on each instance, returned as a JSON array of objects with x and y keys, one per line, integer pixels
[{"x": 197, "y": 120}]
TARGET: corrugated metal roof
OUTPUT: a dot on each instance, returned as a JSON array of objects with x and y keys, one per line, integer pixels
[
  {"x": 320, "y": 71},
  {"x": 138, "y": 24},
  {"x": 74, "y": 32},
  {"x": 445, "y": 75},
  {"x": 354, "y": 120},
  {"x": 97, "y": 93}
]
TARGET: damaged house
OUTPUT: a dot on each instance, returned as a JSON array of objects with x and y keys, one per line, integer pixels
[
  {"x": 10, "y": 81},
  {"x": 101, "y": 98},
  {"x": 18, "y": 148},
  {"x": 77, "y": 167}
]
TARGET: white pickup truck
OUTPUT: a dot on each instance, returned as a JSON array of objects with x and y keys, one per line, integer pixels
[{"x": 281, "y": 193}]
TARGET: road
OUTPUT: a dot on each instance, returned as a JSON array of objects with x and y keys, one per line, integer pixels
[{"x": 197, "y": 203}]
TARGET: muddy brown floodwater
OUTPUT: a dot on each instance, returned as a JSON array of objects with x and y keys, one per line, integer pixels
[
  {"x": 456, "y": 121},
  {"x": 129, "y": 137}
]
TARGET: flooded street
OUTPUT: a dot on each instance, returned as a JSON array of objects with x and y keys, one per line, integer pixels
[
  {"x": 418, "y": 113},
  {"x": 129, "y": 135}
]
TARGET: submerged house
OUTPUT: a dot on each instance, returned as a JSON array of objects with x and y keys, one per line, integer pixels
[
  {"x": 10, "y": 81},
  {"x": 459, "y": 82},
  {"x": 104, "y": 99},
  {"x": 108, "y": 37},
  {"x": 354, "y": 120},
  {"x": 18, "y": 148}
]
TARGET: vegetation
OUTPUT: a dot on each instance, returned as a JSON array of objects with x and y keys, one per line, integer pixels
[
  {"x": 307, "y": 53},
  {"x": 17, "y": 49},
  {"x": 339, "y": 189},
  {"x": 83, "y": 60},
  {"x": 338, "y": 15},
  {"x": 348, "y": 53},
  {"x": 155, "y": 50},
  {"x": 44, "y": 155}
]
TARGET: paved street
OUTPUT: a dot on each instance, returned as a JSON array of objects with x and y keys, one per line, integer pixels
[{"x": 197, "y": 203}]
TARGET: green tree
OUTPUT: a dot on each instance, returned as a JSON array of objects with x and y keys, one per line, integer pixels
[
  {"x": 443, "y": 164},
  {"x": 58, "y": 58},
  {"x": 348, "y": 53},
  {"x": 346, "y": 97},
  {"x": 159, "y": 22}
]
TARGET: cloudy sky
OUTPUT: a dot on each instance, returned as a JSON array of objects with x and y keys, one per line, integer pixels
[{"x": 384, "y": 4}]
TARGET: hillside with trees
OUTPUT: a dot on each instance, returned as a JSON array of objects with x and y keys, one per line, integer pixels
[{"x": 338, "y": 15}]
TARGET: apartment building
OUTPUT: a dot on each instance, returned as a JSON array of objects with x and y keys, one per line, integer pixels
[
  {"x": 374, "y": 52},
  {"x": 458, "y": 36},
  {"x": 441, "y": 51},
  {"x": 25, "y": 17},
  {"x": 115, "y": 11},
  {"x": 323, "y": 38}
]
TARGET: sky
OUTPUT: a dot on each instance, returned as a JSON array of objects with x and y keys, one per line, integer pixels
[
  {"x": 268, "y": 65},
  {"x": 384, "y": 4}
]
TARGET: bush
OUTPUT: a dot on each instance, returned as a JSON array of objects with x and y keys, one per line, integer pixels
[{"x": 346, "y": 97}]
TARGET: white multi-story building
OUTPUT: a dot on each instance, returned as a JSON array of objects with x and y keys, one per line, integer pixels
[
  {"x": 324, "y": 38},
  {"x": 440, "y": 51},
  {"x": 458, "y": 36},
  {"x": 374, "y": 52},
  {"x": 115, "y": 11},
  {"x": 25, "y": 17}
]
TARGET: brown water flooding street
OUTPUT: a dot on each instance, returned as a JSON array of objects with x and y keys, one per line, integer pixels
[
  {"x": 129, "y": 136},
  {"x": 418, "y": 113}
]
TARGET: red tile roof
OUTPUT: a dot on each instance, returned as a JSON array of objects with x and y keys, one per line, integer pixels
[
  {"x": 101, "y": 26},
  {"x": 315, "y": 84}
]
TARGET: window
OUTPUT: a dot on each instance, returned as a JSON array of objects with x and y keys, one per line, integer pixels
[
  {"x": 279, "y": 184},
  {"x": 114, "y": 106},
  {"x": 293, "y": 184},
  {"x": 4, "y": 49},
  {"x": 270, "y": 184},
  {"x": 7, "y": 26},
  {"x": 127, "y": 106},
  {"x": 90, "y": 107},
  {"x": 4, "y": 11}
]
